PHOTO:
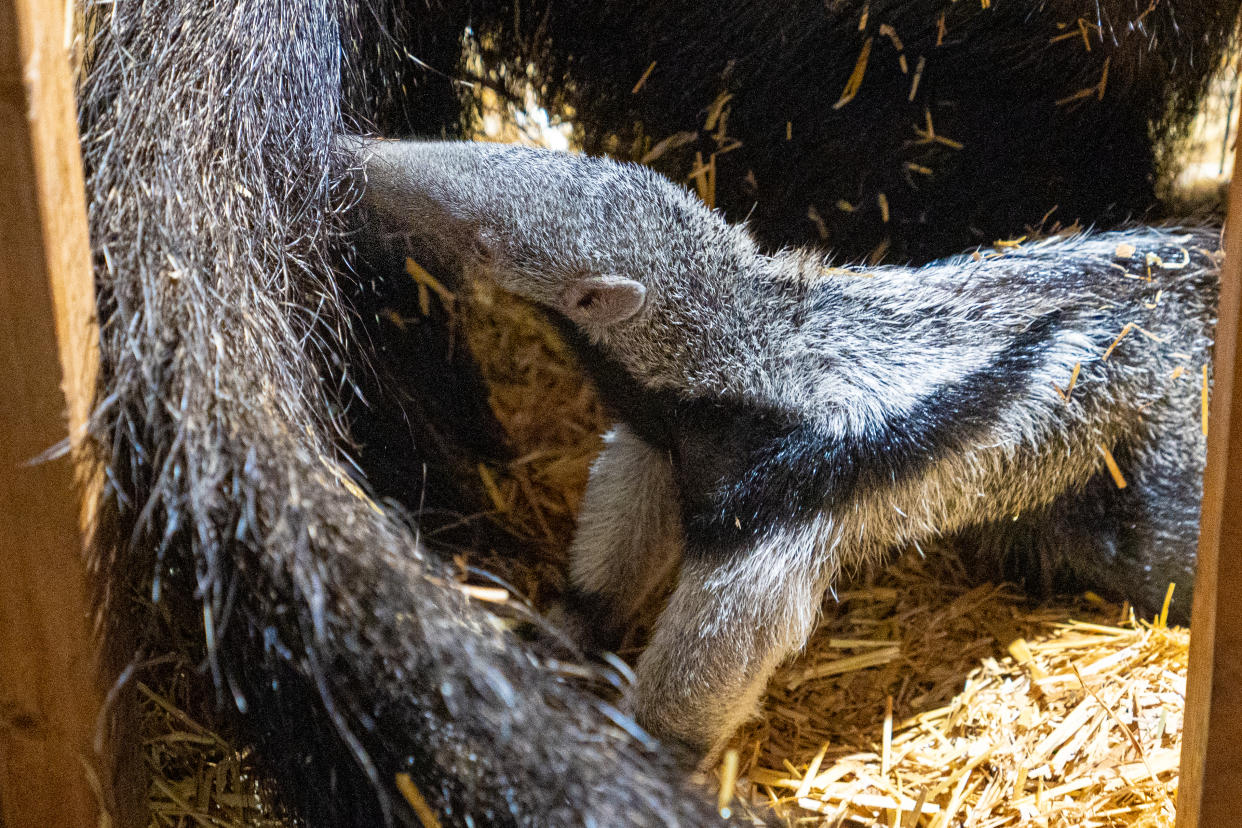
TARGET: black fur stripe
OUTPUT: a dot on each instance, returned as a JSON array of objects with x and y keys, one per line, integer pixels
[{"x": 743, "y": 469}]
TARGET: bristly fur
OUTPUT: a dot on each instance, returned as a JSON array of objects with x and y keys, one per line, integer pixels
[
  {"x": 346, "y": 652},
  {"x": 1039, "y": 106},
  {"x": 233, "y": 365},
  {"x": 804, "y": 419}
]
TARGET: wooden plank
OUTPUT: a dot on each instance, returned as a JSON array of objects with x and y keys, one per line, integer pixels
[
  {"x": 50, "y": 692},
  {"x": 1210, "y": 787}
]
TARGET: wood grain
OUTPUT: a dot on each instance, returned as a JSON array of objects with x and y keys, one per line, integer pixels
[
  {"x": 50, "y": 690},
  {"x": 1210, "y": 787}
]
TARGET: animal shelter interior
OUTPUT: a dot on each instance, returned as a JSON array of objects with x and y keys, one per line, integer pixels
[{"x": 351, "y": 395}]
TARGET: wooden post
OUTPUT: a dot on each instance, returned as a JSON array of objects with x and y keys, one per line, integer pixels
[
  {"x": 1210, "y": 787},
  {"x": 50, "y": 689}
]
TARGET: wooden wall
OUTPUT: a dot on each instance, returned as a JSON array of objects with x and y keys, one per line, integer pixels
[
  {"x": 1210, "y": 787},
  {"x": 50, "y": 687}
]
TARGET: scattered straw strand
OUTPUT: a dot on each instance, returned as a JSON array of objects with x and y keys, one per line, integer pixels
[
  {"x": 1113, "y": 468},
  {"x": 856, "y": 77},
  {"x": 415, "y": 797}
]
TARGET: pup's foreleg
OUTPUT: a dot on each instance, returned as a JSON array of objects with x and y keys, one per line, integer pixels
[{"x": 628, "y": 542}]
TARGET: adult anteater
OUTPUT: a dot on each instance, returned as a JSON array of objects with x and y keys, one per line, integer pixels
[
  {"x": 238, "y": 374},
  {"x": 916, "y": 127}
]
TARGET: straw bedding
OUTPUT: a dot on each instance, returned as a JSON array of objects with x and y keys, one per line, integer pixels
[{"x": 924, "y": 699}]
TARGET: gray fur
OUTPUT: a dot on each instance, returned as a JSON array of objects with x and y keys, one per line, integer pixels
[{"x": 935, "y": 385}]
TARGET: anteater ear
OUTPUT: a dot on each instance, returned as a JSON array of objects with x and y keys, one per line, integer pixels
[{"x": 602, "y": 300}]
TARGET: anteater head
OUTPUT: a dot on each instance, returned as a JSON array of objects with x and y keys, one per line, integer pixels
[{"x": 637, "y": 265}]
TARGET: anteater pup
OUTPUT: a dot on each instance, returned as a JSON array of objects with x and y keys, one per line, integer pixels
[{"x": 781, "y": 419}]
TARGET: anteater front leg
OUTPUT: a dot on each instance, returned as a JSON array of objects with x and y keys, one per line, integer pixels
[
  {"x": 727, "y": 627},
  {"x": 628, "y": 542}
]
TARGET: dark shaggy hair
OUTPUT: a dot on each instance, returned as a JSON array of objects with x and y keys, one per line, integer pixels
[
  {"x": 243, "y": 377},
  {"x": 1057, "y": 107}
]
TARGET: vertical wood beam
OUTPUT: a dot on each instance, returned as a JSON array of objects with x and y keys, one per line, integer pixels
[
  {"x": 50, "y": 686},
  {"x": 1210, "y": 787}
]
